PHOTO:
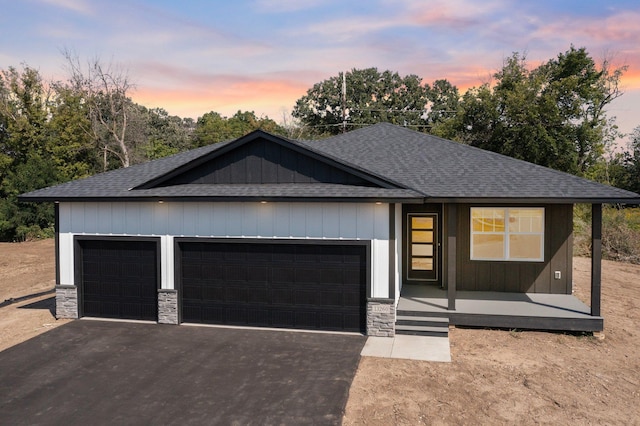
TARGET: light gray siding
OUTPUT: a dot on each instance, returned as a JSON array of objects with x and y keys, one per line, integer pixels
[{"x": 321, "y": 221}]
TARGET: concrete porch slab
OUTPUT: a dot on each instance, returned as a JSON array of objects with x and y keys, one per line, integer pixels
[{"x": 420, "y": 348}]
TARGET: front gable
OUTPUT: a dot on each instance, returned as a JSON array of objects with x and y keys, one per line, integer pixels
[{"x": 260, "y": 158}]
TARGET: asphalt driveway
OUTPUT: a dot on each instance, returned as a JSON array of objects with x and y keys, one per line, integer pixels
[{"x": 98, "y": 372}]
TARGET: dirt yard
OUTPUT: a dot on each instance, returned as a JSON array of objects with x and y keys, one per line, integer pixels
[
  {"x": 518, "y": 377},
  {"x": 496, "y": 377}
]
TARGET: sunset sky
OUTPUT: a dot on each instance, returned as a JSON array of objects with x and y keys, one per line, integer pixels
[{"x": 192, "y": 57}]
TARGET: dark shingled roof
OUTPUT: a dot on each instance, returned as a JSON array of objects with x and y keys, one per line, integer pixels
[
  {"x": 443, "y": 169},
  {"x": 420, "y": 165}
]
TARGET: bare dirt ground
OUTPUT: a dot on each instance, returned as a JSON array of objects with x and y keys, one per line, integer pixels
[
  {"x": 496, "y": 376},
  {"x": 518, "y": 377},
  {"x": 26, "y": 269}
]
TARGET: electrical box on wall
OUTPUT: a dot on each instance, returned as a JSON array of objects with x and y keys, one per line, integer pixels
[{"x": 557, "y": 275}]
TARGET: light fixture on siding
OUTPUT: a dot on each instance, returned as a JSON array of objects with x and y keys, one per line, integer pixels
[
  {"x": 263, "y": 202},
  {"x": 160, "y": 201}
]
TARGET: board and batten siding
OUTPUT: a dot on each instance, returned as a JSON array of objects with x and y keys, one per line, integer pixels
[
  {"x": 274, "y": 220},
  {"x": 520, "y": 277}
]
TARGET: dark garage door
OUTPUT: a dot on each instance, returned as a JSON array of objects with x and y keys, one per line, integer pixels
[
  {"x": 119, "y": 279},
  {"x": 305, "y": 286}
]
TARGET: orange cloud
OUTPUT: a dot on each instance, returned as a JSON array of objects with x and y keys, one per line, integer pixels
[{"x": 224, "y": 95}]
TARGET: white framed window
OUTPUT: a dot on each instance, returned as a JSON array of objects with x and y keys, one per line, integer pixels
[{"x": 511, "y": 234}]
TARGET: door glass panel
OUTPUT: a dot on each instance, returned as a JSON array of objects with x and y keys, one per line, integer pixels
[
  {"x": 422, "y": 236},
  {"x": 422, "y": 223},
  {"x": 422, "y": 263},
  {"x": 422, "y": 249}
]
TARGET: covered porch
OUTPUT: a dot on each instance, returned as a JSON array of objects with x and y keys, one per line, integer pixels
[
  {"x": 421, "y": 305},
  {"x": 499, "y": 310}
]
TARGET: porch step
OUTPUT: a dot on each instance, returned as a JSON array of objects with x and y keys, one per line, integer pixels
[{"x": 422, "y": 325}]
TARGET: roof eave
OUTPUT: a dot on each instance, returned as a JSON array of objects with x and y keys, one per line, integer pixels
[
  {"x": 292, "y": 199},
  {"x": 533, "y": 200}
]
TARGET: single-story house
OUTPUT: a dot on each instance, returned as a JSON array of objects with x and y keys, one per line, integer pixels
[{"x": 379, "y": 230}]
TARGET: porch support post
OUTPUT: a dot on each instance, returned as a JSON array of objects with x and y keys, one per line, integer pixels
[
  {"x": 596, "y": 258},
  {"x": 452, "y": 231}
]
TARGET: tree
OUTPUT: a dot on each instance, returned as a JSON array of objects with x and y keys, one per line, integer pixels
[
  {"x": 105, "y": 90},
  {"x": 625, "y": 166},
  {"x": 369, "y": 97},
  {"x": 25, "y": 163},
  {"x": 444, "y": 99},
  {"x": 166, "y": 135},
  {"x": 213, "y": 128},
  {"x": 553, "y": 115},
  {"x": 71, "y": 146}
]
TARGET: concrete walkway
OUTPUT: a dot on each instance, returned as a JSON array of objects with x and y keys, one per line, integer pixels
[{"x": 421, "y": 348}]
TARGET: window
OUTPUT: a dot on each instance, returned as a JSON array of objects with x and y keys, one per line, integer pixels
[{"x": 515, "y": 234}]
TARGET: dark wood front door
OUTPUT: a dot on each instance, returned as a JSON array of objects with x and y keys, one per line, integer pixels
[{"x": 423, "y": 243}]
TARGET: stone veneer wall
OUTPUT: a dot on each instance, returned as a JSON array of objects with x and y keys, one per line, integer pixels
[
  {"x": 167, "y": 306},
  {"x": 66, "y": 301},
  {"x": 381, "y": 317}
]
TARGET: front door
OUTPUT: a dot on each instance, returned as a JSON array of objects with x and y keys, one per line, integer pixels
[{"x": 423, "y": 247}]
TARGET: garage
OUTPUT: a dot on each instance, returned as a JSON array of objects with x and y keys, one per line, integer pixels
[
  {"x": 284, "y": 284},
  {"x": 118, "y": 278}
]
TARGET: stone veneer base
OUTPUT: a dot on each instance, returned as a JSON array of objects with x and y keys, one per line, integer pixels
[
  {"x": 66, "y": 302},
  {"x": 167, "y": 306},
  {"x": 381, "y": 317}
]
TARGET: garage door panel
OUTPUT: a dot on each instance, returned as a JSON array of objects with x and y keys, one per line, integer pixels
[
  {"x": 237, "y": 315},
  {"x": 237, "y": 294},
  {"x": 191, "y": 270},
  {"x": 258, "y": 274},
  {"x": 257, "y": 316},
  {"x": 259, "y": 295},
  {"x": 308, "y": 286},
  {"x": 282, "y": 296},
  {"x": 306, "y": 319},
  {"x": 194, "y": 291},
  {"x": 333, "y": 298},
  {"x": 235, "y": 272},
  {"x": 119, "y": 278},
  {"x": 352, "y": 276},
  {"x": 109, "y": 267},
  {"x": 213, "y": 291},
  {"x": 283, "y": 275},
  {"x": 306, "y": 275},
  {"x": 333, "y": 320},
  {"x": 305, "y": 296},
  {"x": 333, "y": 276},
  {"x": 282, "y": 317}
]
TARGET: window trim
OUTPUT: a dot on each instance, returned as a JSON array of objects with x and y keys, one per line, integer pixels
[{"x": 506, "y": 234}]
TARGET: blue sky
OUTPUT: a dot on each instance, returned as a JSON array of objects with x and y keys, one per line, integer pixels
[{"x": 192, "y": 57}]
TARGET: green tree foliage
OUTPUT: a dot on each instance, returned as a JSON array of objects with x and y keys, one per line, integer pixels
[
  {"x": 553, "y": 115},
  {"x": 370, "y": 97},
  {"x": 443, "y": 102},
  {"x": 624, "y": 168},
  {"x": 632, "y": 162},
  {"x": 166, "y": 134},
  {"x": 213, "y": 128},
  {"x": 24, "y": 158},
  {"x": 70, "y": 143}
]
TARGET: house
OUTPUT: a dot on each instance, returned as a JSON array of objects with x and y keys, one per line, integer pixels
[{"x": 378, "y": 230}]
